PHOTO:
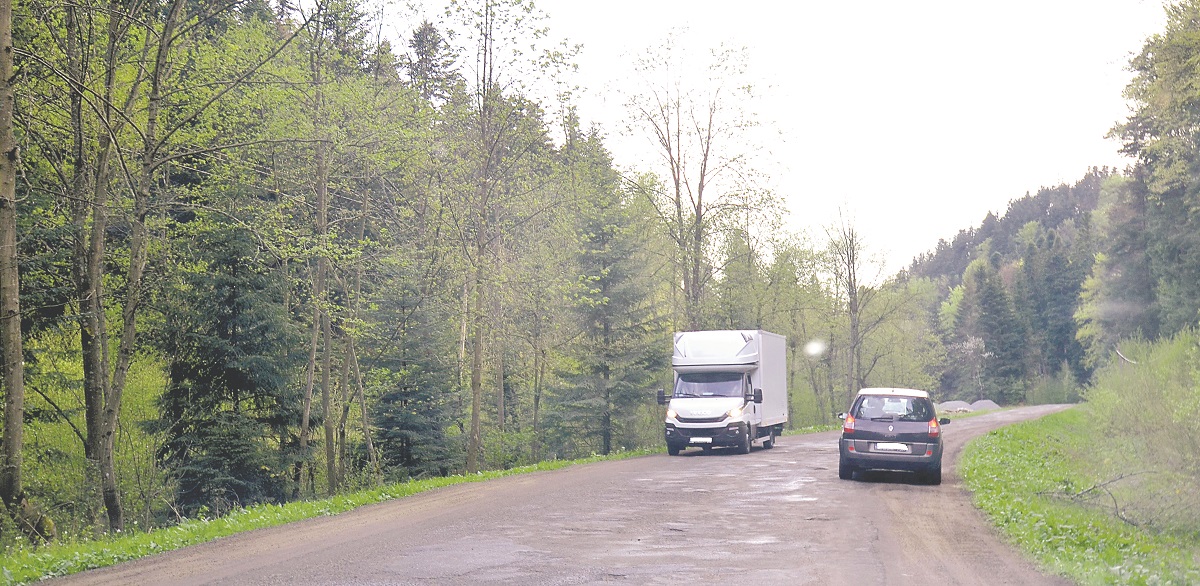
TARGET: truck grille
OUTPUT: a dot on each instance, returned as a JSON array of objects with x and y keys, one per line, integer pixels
[
  {"x": 703, "y": 432},
  {"x": 701, "y": 419}
]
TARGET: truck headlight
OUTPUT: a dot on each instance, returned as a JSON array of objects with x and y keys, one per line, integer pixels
[
  {"x": 735, "y": 413},
  {"x": 671, "y": 414}
]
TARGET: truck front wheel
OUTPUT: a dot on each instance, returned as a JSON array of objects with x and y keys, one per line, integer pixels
[
  {"x": 744, "y": 447},
  {"x": 672, "y": 450}
]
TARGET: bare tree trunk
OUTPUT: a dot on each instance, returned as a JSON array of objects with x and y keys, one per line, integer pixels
[
  {"x": 305, "y": 415},
  {"x": 362, "y": 401},
  {"x": 501, "y": 408},
  {"x": 475, "y": 442},
  {"x": 539, "y": 375},
  {"x": 327, "y": 403},
  {"x": 320, "y": 317},
  {"x": 138, "y": 253},
  {"x": 90, "y": 244},
  {"x": 12, "y": 367},
  {"x": 343, "y": 419},
  {"x": 320, "y": 186}
]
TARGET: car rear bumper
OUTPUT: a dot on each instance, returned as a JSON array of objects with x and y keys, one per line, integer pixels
[{"x": 860, "y": 455}]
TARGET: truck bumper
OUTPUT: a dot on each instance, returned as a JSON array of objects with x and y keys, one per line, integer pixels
[{"x": 699, "y": 437}]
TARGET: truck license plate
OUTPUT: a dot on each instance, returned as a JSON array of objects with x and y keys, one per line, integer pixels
[
  {"x": 702, "y": 440},
  {"x": 891, "y": 447}
]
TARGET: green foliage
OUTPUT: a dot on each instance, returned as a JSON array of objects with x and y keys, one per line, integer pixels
[
  {"x": 742, "y": 290},
  {"x": 623, "y": 344},
  {"x": 1153, "y": 409},
  {"x": 407, "y": 335},
  {"x": 1062, "y": 388},
  {"x": 430, "y": 66},
  {"x": 905, "y": 349},
  {"x": 990, "y": 348},
  {"x": 231, "y": 403},
  {"x": 1046, "y": 294},
  {"x": 1160, "y": 133},
  {"x": 1117, "y": 300},
  {"x": 1032, "y": 482},
  {"x": 58, "y": 476}
]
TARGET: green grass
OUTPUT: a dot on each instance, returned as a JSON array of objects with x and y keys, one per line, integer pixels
[
  {"x": 1021, "y": 477},
  {"x": 812, "y": 429},
  {"x": 24, "y": 566}
]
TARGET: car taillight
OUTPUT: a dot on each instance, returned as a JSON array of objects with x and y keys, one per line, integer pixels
[
  {"x": 848, "y": 424},
  {"x": 934, "y": 429}
]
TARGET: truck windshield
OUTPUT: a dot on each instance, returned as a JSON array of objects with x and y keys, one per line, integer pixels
[{"x": 709, "y": 384}]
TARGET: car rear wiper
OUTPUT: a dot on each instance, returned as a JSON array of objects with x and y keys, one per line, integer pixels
[{"x": 884, "y": 418}]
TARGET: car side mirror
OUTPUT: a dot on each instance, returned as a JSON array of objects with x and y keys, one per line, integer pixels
[
  {"x": 944, "y": 421},
  {"x": 842, "y": 416},
  {"x": 662, "y": 397}
]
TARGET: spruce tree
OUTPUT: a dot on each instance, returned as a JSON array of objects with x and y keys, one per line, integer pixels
[
  {"x": 622, "y": 347},
  {"x": 230, "y": 404}
]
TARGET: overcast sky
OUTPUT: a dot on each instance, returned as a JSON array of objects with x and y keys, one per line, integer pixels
[{"x": 914, "y": 118}]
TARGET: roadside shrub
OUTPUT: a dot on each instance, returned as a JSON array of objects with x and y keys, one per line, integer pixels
[
  {"x": 1062, "y": 388},
  {"x": 1032, "y": 482},
  {"x": 1147, "y": 408}
]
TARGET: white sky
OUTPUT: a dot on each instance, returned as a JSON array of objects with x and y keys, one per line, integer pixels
[{"x": 915, "y": 118}]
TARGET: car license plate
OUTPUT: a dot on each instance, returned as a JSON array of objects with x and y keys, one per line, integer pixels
[
  {"x": 702, "y": 440},
  {"x": 893, "y": 448}
]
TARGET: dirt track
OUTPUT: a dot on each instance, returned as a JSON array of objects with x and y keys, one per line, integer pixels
[{"x": 778, "y": 516}]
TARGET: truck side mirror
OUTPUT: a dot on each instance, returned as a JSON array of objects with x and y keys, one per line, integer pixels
[
  {"x": 758, "y": 396},
  {"x": 662, "y": 397}
]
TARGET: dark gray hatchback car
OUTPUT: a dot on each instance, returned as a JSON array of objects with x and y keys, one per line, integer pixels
[{"x": 892, "y": 429}]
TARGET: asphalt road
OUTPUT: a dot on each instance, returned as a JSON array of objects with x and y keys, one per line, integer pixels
[{"x": 778, "y": 516}]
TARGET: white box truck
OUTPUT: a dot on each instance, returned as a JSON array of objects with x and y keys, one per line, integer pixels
[{"x": 730, "y": 390}]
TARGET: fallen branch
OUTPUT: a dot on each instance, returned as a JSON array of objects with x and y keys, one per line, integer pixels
[{"x": 1088, "y": 495}]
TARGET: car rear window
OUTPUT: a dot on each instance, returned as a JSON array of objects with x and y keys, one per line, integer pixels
[{"x": 893, "y": 407}]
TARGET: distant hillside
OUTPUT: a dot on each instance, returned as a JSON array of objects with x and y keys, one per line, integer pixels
[{"x": 1051, "y": 206}]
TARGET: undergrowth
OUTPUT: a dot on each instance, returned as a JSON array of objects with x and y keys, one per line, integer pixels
[{"x": 1031, "y": 480}]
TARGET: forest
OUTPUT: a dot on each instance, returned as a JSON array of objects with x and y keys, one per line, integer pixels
[{"x": 260, "y": 253}]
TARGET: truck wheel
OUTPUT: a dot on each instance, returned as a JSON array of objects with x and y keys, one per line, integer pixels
[
  {"x": 770, "y": 441},
  {"x": 672, "y": 450},
  {"x": 744, "y": 447}
]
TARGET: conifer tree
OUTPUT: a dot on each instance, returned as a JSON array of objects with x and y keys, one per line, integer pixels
[
  {"x": 232, "y": 402},
  {"x": 622, "y": 346}
]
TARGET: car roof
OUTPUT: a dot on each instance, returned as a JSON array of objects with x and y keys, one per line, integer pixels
[{"x": 894, "y": 392}]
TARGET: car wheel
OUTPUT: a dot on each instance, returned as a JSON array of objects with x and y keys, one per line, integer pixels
[
  {"x": 934, "y": 476},
  {"x": 770, "y": 441},
  {"x": 845, "y": 471},
  {"x": 672, "y": 450}
]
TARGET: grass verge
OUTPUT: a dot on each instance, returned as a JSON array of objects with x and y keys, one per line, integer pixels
[
  {"x": 1023, "y": 476},
  {"x": 61, "y": 559}
]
